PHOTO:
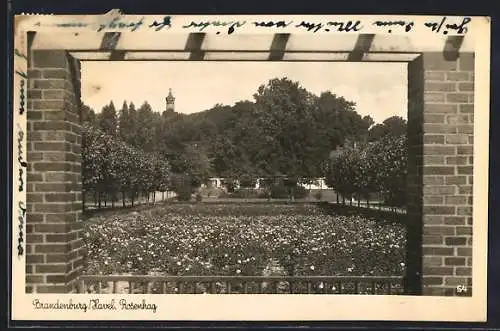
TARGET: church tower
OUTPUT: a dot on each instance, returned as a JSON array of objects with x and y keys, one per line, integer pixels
[{"x": 170, "y": 102}]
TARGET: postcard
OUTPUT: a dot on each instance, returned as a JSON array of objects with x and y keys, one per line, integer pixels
[{"x": 259, "y": 167}]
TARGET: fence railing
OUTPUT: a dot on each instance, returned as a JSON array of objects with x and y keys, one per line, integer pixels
[{"x": 137, "y": 284}]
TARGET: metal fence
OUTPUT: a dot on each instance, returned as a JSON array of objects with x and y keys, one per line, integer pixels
[{"x": 138, "y": 284}]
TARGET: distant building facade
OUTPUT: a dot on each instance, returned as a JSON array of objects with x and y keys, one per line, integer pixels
[{"x": 218, "y": 182}]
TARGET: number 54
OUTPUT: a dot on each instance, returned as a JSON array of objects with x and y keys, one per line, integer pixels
[{"x": 461, "y": 289}]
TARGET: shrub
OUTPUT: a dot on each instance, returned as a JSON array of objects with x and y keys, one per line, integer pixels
[
  {"x": 229, "y": 184},
  {"x": 318, "y": 195},
  {"x": 184, "y": 195},
  {"x": 279, "y": 192},
  {"x": 182, "y": 187},
  {"x": 301, "y": 192},
  {"x": 245, "y": 193},
  {"x": 198, "y": 197},
  {"x": 285, "y": 192},
  {"x": 247, "y": 181}
]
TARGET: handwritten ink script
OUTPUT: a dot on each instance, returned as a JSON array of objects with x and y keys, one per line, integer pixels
[
  {"x": 21, "y": 97},
  {"x": 22, "y": 74},
  {"x": 95, "y": 304},
  {"x": 443, "y": 25},
  {"x": 165, "y": 23},
  {"x": 339, "y": 26},
  {"x": 20, "y": 160},
  {"x": 21, "y": 218},
  {"x": 20, "y": 56},
  {"x": 391, "y": 24},
  {"x": 118, "y": 23},
  {"x": 232, "y": 25}
]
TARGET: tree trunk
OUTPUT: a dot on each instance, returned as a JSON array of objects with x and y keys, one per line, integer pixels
[
  {"x": 154, "y": 197},
  {"x": 343, "y": 199},
  {"x": 95, "y": 198},
  {"x": 83, "y": 201},
  {"x": 123, "y": 199},
  {"x": 132, "y": 198},
  {"x": 99, "y": 199},
  {"x": 359, "y": 202},
  {"x": 113, "y": 198},
  {"x": 337, "y": 195},
  {"x": 163, "y": 196}
]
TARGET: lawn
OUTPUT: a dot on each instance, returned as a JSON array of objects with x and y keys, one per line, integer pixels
[{"x": 243, "y": 239}]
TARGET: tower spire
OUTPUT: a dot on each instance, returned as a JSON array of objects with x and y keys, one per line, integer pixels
[{"x": 170, "y": 101}]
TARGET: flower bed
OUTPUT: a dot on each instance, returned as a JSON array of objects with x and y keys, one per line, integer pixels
[{"x": 242, "y": 239}]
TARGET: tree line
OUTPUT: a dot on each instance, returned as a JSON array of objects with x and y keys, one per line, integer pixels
[
  {"x": 113, "y": 168},
  {"x": 375, "y": 167},
  {"x": 285, "y": 131}
]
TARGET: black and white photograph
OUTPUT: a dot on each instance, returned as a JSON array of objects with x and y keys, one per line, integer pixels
[
  {"x": 230, "y": 184},
  {"x": 298, "y": 157}
]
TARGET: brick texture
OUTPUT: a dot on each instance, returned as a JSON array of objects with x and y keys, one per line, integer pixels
[
  {"x": 55, "y": 248},
  {"x": 445, "y": 112}
]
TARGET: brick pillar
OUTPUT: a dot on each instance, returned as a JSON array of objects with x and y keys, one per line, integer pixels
[
  {"x": 413, "y": 282},
  {"x": 54, "y": 248},
  {"x": 446, "y": 170}
]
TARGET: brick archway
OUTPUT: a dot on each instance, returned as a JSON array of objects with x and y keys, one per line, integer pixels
[{"x": 440, "y": 118}]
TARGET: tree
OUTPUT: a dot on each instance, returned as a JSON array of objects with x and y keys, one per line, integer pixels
[
  {"x": 145, "y": 128},
  {"x": 87, "y": 115},
  {"x": 393, "y": 158},
  {"x": 108, "y": 120},
  {"x": 93, "y": 149},
  {"x": 394, "y": 126},
  {"x": 124, "y": 128},
  {"x": 198, "y": 164},
  {"x": 369, "y": 121},
  {"x": 162, "y": 175},
  {"x": 132, "y": 125},
  {"x": 247, "y": 181},
  {"x": 285, "y": 124},
  {"x": 111, "y": 165},
  {"x": 380, "y": 166}
]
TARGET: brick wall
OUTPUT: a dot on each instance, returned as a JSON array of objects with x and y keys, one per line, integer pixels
[
  {"x": 443, "y": 171},
  {"x": 54, "y": 247}
]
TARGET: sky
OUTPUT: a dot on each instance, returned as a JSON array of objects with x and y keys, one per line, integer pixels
[{"x": 378, "y": 89}]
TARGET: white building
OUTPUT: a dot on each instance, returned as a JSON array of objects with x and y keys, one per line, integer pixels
[{"x": 217, "y": 182}]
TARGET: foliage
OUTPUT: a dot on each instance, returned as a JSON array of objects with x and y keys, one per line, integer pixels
[
  {"x": 245, "y": 193},
  {"x": 318, "y": 195},
  {"x": 198, "y": 197},
  {"x": 241, "y": 239},
  {"x": 182, "y": 185},
  {"x": 380, "y": 166},
  {"x": 285, "y": 131},
  {"x": 110, "y": 165},
  {"x": 108, "y": 121},
  {"x": 230, "y": 184},
  {"x": 88, "y": 115},
  {"x": 394, "y": 126},
  {"x": 282, "y": 191},
  {"x": 247, "y": 181}
]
